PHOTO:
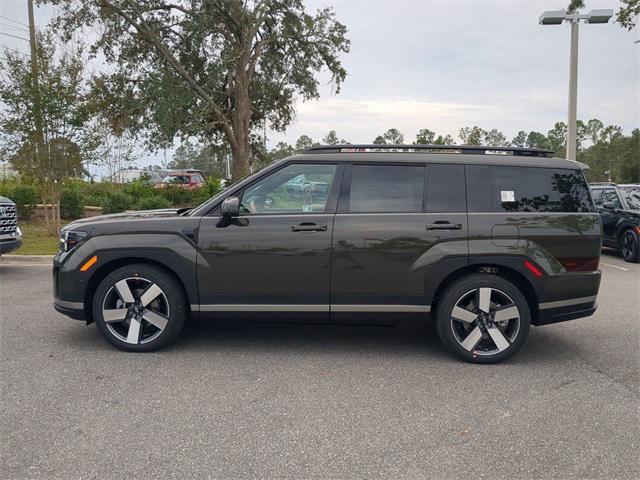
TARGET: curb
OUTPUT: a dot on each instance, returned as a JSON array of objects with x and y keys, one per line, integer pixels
[{"x": 26, "y": 259}]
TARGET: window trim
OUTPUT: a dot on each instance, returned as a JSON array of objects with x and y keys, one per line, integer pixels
[
  {"x": 332, "y": 197},
  {"x": 345, "y": 190}
]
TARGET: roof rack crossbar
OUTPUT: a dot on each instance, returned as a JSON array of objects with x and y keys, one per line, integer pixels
[{"x": 463, "y": 149}]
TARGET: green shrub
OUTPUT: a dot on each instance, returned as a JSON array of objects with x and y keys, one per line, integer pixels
[
  {"x": 139, "y": 189},
  {"x": 24, "y": 195},
  {"x": 116, "y": 202},
  {"x": 71, "y": 202},
  {"x": 177, "y": 196},
  {"x": 152, "y": 202}
]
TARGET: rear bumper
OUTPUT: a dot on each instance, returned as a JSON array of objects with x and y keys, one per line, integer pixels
[{"x": 556, "y": 314}]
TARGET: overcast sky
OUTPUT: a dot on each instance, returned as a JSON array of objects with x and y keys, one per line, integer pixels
[{"x": 443, "y": 65}]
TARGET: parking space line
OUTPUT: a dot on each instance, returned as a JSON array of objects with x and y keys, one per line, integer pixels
[{"x": 614, "y": 266}]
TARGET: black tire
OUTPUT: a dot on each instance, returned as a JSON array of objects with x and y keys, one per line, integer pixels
[
  {"x": 629, "y": 246},
  {"x": 455, "y": 333},
  {"x": 169, "y": 306}
]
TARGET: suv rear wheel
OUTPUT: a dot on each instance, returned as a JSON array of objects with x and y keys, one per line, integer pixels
[
  {"x": 629, "y": 246},
  {"x": 139, "y": 308},
  {"x": 483, "y": 318}
]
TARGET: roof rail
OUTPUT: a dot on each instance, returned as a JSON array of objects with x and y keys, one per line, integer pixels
[
  {"x": 461, "y": 149},
  {"x": 603, "y": 183}
]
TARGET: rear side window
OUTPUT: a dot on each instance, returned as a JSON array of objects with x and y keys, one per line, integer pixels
[
  {"x": 386, "y": 188},
  {"x": 526, "y": 189},
  {"x": 446, "y": 188}
]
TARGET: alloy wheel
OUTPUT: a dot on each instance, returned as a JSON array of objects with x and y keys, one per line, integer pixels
[
  {"x": 135, "y": 310},
  {"x": 485, "y": 321},
  {"x": 629, "y": 246}
]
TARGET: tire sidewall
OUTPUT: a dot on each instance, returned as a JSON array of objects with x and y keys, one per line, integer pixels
[
  {"x": 172, "y": 291},
  {"x": 634, "y": 236},
  {"x": 452, "y": 295}
]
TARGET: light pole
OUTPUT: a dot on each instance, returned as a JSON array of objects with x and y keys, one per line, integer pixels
[{"x": 556, "y": 17}]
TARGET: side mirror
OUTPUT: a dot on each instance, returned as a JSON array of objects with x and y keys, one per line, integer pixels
[
  {"x": 610, "y": 205},
  {"x": 230, "y": 207}
]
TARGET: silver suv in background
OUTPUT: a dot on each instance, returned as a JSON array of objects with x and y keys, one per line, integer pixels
[{"x": 10, "y": 234}]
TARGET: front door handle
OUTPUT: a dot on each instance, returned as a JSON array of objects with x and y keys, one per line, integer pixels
[
  {"x": 308, "y": 227},
  {"x": 443, "y": 226}
]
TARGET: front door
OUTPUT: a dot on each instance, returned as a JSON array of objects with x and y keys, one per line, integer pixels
[
  {"x": 275, "y": 257},
  {"x": 388, "y": 235}
]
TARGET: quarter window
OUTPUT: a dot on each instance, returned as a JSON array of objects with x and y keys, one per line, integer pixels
[
  {"x": 386, "y": 188},
  {"x": 526, "y": 189},
  {"x": 296, "y": 188}
]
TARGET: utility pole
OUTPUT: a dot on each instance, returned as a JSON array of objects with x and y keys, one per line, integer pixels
[
  {"x": 572, "y": 122},
  {"x": 557, "y": 17},
  {"x": 37, "y": 103}
]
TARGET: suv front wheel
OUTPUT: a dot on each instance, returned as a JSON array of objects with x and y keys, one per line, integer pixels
[
  {"x": 139, "y": 308},
  {"x": 483, "y": 318}
]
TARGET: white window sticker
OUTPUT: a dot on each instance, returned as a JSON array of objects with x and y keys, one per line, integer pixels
[{"x": 507, "y": 196}]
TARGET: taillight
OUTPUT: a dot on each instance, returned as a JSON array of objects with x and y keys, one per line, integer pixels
[{"x": 580, "y": 264}]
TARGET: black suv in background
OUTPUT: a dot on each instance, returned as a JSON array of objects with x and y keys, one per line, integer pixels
[
  {"x": 10, "y": 234},
  {"x": 619, "y": 207},
  {"x": 483, "y": 241}
]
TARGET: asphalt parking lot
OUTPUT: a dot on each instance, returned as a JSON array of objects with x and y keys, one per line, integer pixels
[{"x": 273, "y": 401}]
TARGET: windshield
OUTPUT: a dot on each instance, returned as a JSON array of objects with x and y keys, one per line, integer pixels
[
  {"x": 631, "y": 197},
  {"x": 176, "y": 179}
]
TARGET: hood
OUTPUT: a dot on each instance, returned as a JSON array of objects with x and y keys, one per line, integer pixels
[
  {"x": 5, "y": 200},
  {"x": 116, "y": 217}
]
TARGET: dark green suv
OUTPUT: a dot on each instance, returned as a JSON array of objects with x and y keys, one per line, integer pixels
[{"x": 483, "y": 241}]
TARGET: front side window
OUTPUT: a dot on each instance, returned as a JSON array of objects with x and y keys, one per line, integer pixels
[
  {"x": 610, "y": 195},
  {"x": 296, "y": 188},
  {"x": 386, "y": 188},
  {"x": 596, "y": 194},
  {"x": 526, "y": 189}
]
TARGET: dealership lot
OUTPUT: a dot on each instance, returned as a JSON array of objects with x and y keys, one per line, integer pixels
[{"x": 247, "y": 401}]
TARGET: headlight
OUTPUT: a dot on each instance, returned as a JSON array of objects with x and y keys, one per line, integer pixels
[{"x": 70, "y": 238}]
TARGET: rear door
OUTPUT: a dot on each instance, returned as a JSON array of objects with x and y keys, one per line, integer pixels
[{"x": 395, "y": 222}]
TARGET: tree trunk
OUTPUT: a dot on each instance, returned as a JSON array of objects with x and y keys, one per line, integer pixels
[{"x": 241, "y": 124}]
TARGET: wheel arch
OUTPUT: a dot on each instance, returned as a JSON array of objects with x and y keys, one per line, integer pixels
[
  {"x": 106, "y": 268},
  {"x": 505, "y": 272}
]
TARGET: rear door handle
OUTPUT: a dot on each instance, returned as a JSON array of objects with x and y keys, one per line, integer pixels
[
  {"x": 308, "y": 227},
  {"x": 443, "y": 226}
]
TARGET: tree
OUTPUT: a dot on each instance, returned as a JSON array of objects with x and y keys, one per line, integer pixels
[
  {"x": 425, "y": 137},
  {"x": 472, "y": 135},
  {"x": 331, "y": 138},
  {"x": 379, "y": 140},
  {"x": 303, "y": 143},
  {"x": 495, "y": 138},
  {"x": 537, "y": 140},
  {"x": 629, "y": 14},
  {"x": 63, "y": 110},
  {"x": 520, "y": 140},
  {"x": 557, "y": 139},
  {"x": 213, "y": 68},
  {"x": 446, "y": 140},
  {"x": 393, "y": 136}
]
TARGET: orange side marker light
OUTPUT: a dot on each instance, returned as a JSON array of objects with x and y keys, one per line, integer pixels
[{"x": 89, "y": 263}]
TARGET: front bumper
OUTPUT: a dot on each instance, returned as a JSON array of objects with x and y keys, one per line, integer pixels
[
  {"x": 67, "y": 296},
  {"x": 9, "y": 243},
  {"x": 73, "y": 310}
]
